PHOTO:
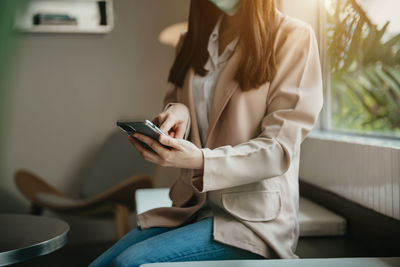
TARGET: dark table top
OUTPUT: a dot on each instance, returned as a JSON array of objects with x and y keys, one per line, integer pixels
[{"x": 26, "y": 236}]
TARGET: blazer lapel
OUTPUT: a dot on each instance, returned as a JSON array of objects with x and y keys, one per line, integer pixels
[
  {"x": 223, "y": 91},
  {"x": 187, "y": 96}
]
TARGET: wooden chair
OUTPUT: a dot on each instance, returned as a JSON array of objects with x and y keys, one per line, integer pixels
[{"x": 108, "y": 186}]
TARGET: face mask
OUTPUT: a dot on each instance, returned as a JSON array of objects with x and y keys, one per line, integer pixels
[{"x": 227, "y": 6}]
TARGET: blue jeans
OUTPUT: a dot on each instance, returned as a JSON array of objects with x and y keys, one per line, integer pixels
[{"x": 191, "y": 242}]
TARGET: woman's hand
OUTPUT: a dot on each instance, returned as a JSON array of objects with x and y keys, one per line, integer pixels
[
  {"x": 174, "y": 120},
  {"x": 182, "y": 154}
]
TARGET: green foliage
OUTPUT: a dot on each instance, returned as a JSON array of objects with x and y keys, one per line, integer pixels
[{"x": 365, "y": 71}]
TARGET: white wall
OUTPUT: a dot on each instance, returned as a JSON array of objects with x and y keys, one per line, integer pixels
[
  {"x": 67, "y": 90},
  {"x": 360, "y": 169}
]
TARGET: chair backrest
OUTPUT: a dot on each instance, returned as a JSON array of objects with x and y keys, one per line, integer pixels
[{"x": 116, "y": 161}]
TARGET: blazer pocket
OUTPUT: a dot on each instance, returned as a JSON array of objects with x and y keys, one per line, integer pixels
[{"x": 253, "y": 206}]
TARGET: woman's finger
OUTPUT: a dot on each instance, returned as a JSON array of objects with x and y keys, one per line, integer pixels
[
  {"x": 156, "y": 146},
  {"x": 180, "y": 133},
  {"x": 167, "y": 124},
  {"x": 159, "y": 119},
  {"x": 145, "y": 153},
  {"x": 169, "y": 141}
]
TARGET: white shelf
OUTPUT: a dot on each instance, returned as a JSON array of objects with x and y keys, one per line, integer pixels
[{"x": 86, "y": 12}]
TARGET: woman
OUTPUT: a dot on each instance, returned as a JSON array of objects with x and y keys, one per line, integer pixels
[{"x": 246, "y": 91}]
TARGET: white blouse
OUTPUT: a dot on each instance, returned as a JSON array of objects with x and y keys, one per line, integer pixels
[{"x": 203, "y": 87}]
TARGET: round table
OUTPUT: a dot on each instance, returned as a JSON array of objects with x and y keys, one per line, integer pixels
[{"x": 23, "y": 237}]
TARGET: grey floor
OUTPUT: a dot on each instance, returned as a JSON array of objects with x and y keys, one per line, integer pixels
[{"x": 321, "y": 247}]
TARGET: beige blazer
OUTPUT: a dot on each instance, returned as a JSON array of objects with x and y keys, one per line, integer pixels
[{"x": 251, "y": 159}]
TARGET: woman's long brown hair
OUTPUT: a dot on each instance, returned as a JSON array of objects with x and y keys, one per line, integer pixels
[{"x": 256, "y": 38}]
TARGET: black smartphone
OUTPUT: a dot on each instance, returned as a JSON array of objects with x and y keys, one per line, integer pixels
[{"x": 144, "y": 127}]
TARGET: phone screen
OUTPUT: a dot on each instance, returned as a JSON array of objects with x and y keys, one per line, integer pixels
[{"x": 144, "y": 127}]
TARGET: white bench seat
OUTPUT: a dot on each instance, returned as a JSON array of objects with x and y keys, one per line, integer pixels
[{"x": 314, "y": 219}]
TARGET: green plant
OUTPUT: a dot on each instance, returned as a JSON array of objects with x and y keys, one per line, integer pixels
[{"x": 365, "y": 71}]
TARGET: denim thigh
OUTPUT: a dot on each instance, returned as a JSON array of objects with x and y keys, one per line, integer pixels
[
  {"x": 134, "y": 236},
  {"x": 192, "y": 242}
]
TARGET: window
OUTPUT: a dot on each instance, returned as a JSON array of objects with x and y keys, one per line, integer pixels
[{"x": 363, "y": 66}]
